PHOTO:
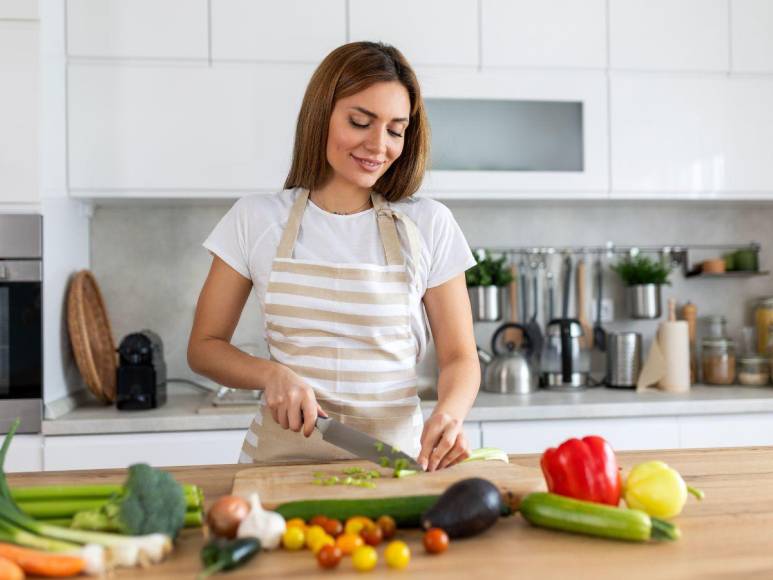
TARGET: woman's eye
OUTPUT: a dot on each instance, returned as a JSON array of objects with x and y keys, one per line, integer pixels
[
  {"x": 356, "y": 124},
  {"x": 395, "y": 133}
]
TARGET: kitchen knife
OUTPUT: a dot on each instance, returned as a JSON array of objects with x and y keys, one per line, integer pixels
[{"x": 364, "y": 446}]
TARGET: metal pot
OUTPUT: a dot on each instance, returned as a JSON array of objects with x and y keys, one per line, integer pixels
[
  {"x": 487, "y": 303},
  {"x": 510, "y": 371},
  {"x": 644, "y": 301}
]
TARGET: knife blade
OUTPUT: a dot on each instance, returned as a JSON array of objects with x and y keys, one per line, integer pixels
[{"x": 364, "y": 446}]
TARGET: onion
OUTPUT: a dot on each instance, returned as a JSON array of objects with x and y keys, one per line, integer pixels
[{"x": 226, "y": 514}]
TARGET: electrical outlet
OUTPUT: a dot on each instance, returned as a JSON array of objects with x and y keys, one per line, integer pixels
[{"x": 607, "y": 310}]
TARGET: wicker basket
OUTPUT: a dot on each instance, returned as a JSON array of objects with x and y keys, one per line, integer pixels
[{"x": 91, "y": 336}]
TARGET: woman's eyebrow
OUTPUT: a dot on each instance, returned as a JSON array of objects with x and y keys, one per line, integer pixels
[{"x": 373, "y": 115}]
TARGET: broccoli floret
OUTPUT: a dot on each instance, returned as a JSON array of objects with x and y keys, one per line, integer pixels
[{"x": 151, "y": 502}]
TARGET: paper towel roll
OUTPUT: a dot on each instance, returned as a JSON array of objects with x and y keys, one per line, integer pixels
[{"x": 674, "y": 342}]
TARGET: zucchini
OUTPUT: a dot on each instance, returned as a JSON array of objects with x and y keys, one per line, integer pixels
[
  {"x": 549, "y": 510},
  {"x": 406, "y": 510}
]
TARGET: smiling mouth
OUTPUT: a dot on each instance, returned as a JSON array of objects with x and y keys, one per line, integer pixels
[{"x": 367, "y": 164}]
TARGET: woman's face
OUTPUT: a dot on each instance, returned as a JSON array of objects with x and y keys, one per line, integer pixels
[{"x": 366, "y": 133}]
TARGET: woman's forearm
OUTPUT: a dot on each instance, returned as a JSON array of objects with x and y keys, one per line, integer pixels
[
  {"x": 225, "y": 364},
  {"x": 458, "y": 383}
]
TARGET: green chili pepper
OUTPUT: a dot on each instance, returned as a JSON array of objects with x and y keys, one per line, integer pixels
[{"x": 220, "y": 554}]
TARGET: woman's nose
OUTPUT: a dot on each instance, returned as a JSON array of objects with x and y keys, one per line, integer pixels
[{"x": 376, "y": 141}]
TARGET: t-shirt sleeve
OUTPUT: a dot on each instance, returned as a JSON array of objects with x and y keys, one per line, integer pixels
[
  {"x": 451, "y": 254},
  {"x": 230, "y": 241}
]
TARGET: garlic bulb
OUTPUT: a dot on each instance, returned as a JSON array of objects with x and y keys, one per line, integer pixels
[{"x": 265, "y": 525}]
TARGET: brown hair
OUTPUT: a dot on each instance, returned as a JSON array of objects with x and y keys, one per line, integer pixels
[{"x": 347, "y": 70}]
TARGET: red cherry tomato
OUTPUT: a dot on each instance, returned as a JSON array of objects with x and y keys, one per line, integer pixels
[
  {"x": 329, "y": 556},
  {"x": 333, "y": 527},
  {"x": 318, "y": 521},
  {"x": 435, "y": 541},
  {"x": 388, "y": 526},
  {"x": 372, "y": 535}
]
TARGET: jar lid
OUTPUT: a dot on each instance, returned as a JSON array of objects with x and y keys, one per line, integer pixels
[
  {"x": 754, "y": 359},
  {"x": 714, "y": 318},
  {"x": 767, "y": 302},
  {"x": 718, "y": 341}
]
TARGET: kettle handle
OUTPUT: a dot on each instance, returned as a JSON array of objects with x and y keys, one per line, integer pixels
[{"x": 527, "y": 345}]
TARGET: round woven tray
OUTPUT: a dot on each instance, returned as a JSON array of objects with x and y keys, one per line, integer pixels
[{"x": 91, "y": 336}]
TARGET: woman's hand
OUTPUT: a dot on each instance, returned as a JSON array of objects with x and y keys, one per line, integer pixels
[
  {"x": 443, "y": 442},
  {"x": 292, "y": 402}
]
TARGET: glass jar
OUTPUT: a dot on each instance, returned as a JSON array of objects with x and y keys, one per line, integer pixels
[
  {"x": 718, "y": 361},
  {"x": 753, "y": 370},
  {"x": 763, "y": 317},
  {"x": 716, "y": 326}
]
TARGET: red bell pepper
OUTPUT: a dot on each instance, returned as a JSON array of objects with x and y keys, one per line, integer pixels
[{"x": 584, "y": 469}]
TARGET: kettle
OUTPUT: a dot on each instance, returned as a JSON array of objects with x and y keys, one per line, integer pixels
[
  {"x": 565, "y": 359},
  {"x": 509, "y": 372}
]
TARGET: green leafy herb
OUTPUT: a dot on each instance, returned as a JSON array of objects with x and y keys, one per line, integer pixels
[
  {"x": 641, "y": 269},
  {"x": 488, "y": 271}
]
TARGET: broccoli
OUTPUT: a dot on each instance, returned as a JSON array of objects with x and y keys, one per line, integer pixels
[{"x": 151, "y": 502}]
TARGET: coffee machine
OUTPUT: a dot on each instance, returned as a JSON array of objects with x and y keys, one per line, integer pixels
[{"x": 141, "y": 372}]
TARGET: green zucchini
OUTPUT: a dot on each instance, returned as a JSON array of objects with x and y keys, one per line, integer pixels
[
  {"x": 549, "y": 510},
  {"x": 406, "y": 510}
]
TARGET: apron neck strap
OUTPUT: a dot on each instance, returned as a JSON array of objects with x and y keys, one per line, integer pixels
[{"x": 386, "y": 227}]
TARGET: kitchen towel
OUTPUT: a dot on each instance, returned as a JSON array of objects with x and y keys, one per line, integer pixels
[{"x": 668, "y": 362}]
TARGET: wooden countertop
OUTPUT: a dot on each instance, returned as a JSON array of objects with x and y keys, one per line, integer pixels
[{"x": 728, "y": 535}]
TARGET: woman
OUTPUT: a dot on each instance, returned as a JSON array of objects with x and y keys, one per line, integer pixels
[{"x": 345, "y": 263}]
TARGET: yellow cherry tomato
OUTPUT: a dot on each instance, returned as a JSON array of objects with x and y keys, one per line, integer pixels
[
  {"x": 325, "y": 540},
  {"x": 397, "y": 554},
  {"x": 354, "y": 525},
  {"x": 296, "y": 523},
  {"x": 313, "y": 534},
  {"x": 364, "y": 558},
  {"x": 348, "y": 543},
  {"x": 293, "y": 538}
]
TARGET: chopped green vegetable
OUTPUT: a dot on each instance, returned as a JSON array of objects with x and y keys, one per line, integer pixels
[
  {"x": 405, "y": 472},
  {"x": 487, "y": 454},
  {"x": 384, "y": 461},
  {"x": 379, "y": 446}
]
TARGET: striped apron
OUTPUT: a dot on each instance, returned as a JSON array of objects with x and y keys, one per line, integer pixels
[{"x": 345, "y": 329}]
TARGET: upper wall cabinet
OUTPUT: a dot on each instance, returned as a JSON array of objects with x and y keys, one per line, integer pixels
[
  {"x": 137, "y": 29},
  {"x": 511, "y": 134},
  {"x": 430, "y": 32},
  {"x": 181, "y": 131},
  {"x": 689, "y": 35},
  {"x": 287, "y": 31},
  {"x": 19, "y": 111},
  {"x": 19, "y": 9},
  {"x": 752, "y": 35},
  {"x": 549, "y": 33}
]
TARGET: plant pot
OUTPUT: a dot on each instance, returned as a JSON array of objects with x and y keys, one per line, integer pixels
[
  {"x": 486, "y": 302},
  {"x": 644, "y": 301}
]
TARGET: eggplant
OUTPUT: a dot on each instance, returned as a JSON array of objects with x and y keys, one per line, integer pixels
[{"x": 467, "y": 508}]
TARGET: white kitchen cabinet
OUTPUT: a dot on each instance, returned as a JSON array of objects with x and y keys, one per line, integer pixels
[
  {"x": 752, "y": 36},
  {"x": 158, "y": 449},
  {"x": 430, "y": 32},
  {"x": 19, "y": 55},
  {"x": 138, "y": 29},
  {"x": 19, "y": 9},
  {"x": 688, "y": 35},
  {"x": 473, "y": 432},
  {"x": 734, "y": 430},
  {"x": 25, "y": 454},
  {"x": 549, "y": 33},
  {"x": 586, "y": 88},
  {"x": 287, "y": 31},
  {"x": 667, "y": 134},
  {"x": 182, "y": 132},
  {"x": 624, "y": 434}
]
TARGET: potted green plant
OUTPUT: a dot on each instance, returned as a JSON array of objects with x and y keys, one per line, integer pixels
[
  {"x": 485, "y": 281},
  {"x": 643, "y": 278}
]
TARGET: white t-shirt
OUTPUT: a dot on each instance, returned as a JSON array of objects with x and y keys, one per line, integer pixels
[{"x": 246, "y": 239}]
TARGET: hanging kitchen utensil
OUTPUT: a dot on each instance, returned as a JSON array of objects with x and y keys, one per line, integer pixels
[
  {"x": 582, "y": 307},
  {"x": 533, "y": 327},
  {"x": 524, "y": 290},
  {"x": 513, "y": 334},
  {"x": 567, "y": 274},
  {"x": 599, "y": 334},
  {"x": 551, "y": 296}
]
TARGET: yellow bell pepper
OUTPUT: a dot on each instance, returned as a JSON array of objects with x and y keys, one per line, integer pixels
[{"x": 657, "y": 489}]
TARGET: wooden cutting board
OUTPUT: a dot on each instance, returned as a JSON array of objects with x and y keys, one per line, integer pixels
[{"x": 279, "y": 484}]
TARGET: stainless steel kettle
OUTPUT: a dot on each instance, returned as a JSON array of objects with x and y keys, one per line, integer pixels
[{"x": 510, "y": 371}]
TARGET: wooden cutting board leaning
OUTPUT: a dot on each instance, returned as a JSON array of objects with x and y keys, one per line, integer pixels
[{"x": 280, "y": 484}]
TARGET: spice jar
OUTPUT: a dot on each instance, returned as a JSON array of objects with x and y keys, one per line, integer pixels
[
  {"x": 718, "y": 361},
  {"x": 753, "y": 370},
  {"x": 763, "y": 317},
  {"x": 716, "y": 326}
]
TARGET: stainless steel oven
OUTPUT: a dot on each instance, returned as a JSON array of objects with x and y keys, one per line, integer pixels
[{"x": 21, "y": 321}]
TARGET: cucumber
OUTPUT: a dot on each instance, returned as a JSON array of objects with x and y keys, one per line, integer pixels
[
  {"x": 406, "y": 510},
  {"x": 549, "y": 510}
]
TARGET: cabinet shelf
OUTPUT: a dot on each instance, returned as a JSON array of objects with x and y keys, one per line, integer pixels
[{"x": 734, "y": 274}]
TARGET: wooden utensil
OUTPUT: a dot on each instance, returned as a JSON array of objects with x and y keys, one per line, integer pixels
[
  {"x": 513, "y": 334},
  {"x": 285, "y": 483},
  {"x": 690, "y": 314},
  {"x": 582, "y": 306}
]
